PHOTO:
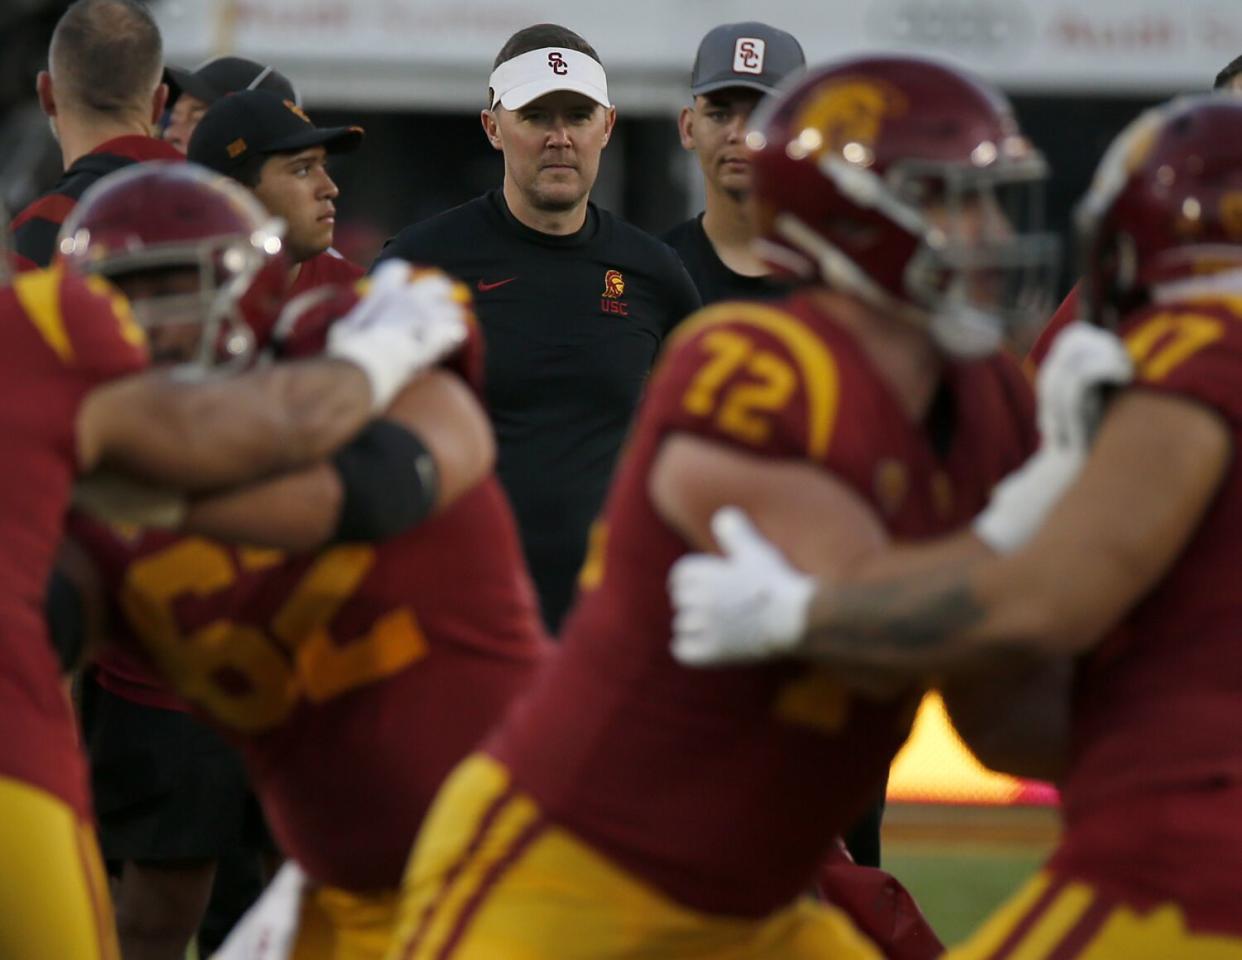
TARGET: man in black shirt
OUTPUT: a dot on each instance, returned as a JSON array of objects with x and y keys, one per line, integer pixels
[
  {"x": 102, "y": 93},
  {"x": 573, "y": 301},
  {"x": 736, "y": 66}
]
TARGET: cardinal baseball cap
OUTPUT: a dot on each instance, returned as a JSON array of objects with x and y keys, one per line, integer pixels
[
  {"x": 747, "y": 54},
  {"x": 529, "y": 76},
  {"x": 255, "y": 123},
  {"x": 214, "y": 78}
]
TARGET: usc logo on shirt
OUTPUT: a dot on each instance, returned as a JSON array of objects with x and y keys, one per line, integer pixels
[{"x": 610, "y": 300}]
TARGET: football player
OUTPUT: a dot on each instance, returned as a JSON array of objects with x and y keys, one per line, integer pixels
[
  {"x": 1131, "y": 573},
  {"x": 76, "y": 400},
  {"x": 1229, "y": 80},
  {"x": 170, "y": 827},
  {"x": 355, "y": 671},
  {"x": 628, "y": 806}
]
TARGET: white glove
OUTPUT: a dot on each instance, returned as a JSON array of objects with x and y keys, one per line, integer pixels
[
  {"x": 1084, "y": 360},
  {"x": 748, "y": 604},
  {"x": 408, "y": 321},
  {"x": 269, "y": 929}
]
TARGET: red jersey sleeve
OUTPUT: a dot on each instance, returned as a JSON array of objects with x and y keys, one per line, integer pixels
[
  {"x": 1191, "y": 349},
  {"x": 752, "y": 376},
  {"x": 84, "y": 322}
]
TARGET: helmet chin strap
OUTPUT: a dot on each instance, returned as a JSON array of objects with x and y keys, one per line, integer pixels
[{"x": 965, "y": 332}]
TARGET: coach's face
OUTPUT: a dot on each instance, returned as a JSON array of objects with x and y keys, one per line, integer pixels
[{"x": 552, "y": 146}]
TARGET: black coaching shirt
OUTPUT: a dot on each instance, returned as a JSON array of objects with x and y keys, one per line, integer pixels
[
  {"x": 572, "y": 326},
  {"x": 714, "y": 280}
]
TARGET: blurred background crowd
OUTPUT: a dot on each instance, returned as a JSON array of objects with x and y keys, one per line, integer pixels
[{"x": 414, "y": 72}]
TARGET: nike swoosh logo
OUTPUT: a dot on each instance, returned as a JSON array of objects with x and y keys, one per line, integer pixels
[{"x": 484, "y": 287}]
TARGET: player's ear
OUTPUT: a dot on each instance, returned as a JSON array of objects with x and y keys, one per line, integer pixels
[
  {"x": 159, "y": 100},
  {"x": 43, "y": 87},
  {"x": 491, "y": 129},
  {"x": 610, "y": 121},
  {"x": 685, "y": 127}
]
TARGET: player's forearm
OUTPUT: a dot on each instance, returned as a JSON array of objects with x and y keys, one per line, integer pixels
[
  {"x": 375, "y": 487},
  {"x": 226, "y": 432},
  {"x": 314, "y": 408},
  {"x": 903, "y": 560},
  {"x": 913, "y": 623},
  {"x": 907, "y": 601},
  {"x": 296, "y": 512},
  {"x": 931, "y": 620}
]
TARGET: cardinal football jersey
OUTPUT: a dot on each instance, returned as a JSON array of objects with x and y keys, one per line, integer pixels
[{"x": 725, "y": 787}]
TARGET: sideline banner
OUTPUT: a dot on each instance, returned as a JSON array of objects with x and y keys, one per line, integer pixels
[{"x": 436, "y": 54}]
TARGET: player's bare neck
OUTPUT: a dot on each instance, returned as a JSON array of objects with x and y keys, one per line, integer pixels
[
  {"x": 556, "y": 223},
  {"x": 728, "y": 225},
  {"x": 903, "y": 355},
  {"x": 81, "y": 133}
]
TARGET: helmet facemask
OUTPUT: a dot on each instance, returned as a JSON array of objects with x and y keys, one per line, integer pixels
[
  {"x": 196, "y": 253},
  {"x": 198, "y": 329},
  {"x": 985, "y": 270}
]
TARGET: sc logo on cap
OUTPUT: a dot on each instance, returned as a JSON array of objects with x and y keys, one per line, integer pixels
[
  {"x": 748, "y": 55},
  {"x": 557, "y": 62}
]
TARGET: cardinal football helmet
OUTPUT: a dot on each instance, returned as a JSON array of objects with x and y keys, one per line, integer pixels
[
  {"x": 162, "y": 216},
  {"x": 907, "y": 183},
  {"x": 1163, "y": 215}
]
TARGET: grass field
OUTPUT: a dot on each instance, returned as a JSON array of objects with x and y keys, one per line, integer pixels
[{"x": 961, "y": 863}]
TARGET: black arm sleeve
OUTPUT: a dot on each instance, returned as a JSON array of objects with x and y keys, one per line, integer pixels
[{"x": 389, "y": 481}]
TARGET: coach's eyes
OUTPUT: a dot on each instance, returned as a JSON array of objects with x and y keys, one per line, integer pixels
[{"x": 718, "y": 116}]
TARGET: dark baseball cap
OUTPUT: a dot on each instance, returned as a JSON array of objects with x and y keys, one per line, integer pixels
[
  {"x": 214, "y": 78},
  {"x": 254, "y": 123},
  {"x": 747, "y": 54}
]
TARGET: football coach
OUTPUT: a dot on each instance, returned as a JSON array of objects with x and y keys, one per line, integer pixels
[{"x": 574, "y": 302}]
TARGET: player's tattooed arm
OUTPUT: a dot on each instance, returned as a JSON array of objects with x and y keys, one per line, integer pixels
[
  {"x": 1155, "y": 467},
  {"x": 914, "y": 622}
]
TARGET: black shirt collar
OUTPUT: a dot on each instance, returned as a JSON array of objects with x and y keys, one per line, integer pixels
[{"x": 584, "y": 235}]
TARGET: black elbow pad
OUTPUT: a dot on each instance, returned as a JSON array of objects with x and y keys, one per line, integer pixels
[{"x": 389, "y": 483}]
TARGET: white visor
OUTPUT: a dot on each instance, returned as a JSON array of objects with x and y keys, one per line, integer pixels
[{"x": 529, "y": 76}]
